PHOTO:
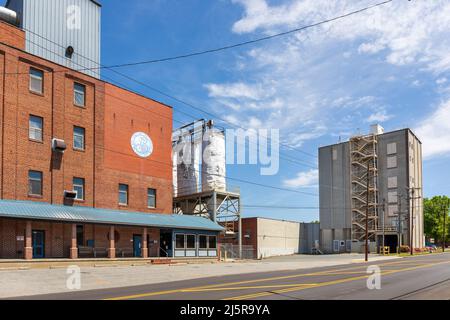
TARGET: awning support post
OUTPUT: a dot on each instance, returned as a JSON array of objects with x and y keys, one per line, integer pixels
[
  {"x": 74, "y": 248},
  {"x": 28, "y": 252},
  {"x": 144, "y": 244},
  {"x": 112, "y": 244}
]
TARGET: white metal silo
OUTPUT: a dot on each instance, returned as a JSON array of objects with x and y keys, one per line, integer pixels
[{"x": 214, "y": 163}]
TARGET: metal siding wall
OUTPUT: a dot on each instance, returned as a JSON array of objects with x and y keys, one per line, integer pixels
[{"x": 48, "y": 19}]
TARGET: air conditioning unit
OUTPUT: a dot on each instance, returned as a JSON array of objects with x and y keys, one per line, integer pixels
[
  {"x": 59, "y": 145},
  {"x": 70, "y": 194}
]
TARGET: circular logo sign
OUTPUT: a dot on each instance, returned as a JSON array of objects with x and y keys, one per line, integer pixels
[{"x": 142, "y": 144}]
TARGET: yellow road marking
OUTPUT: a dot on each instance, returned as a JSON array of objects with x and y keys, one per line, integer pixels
[
  {"x": 204, "y": 288},
  {"x": 254, "y": 287},
  {"x": 329, "y": 283}
]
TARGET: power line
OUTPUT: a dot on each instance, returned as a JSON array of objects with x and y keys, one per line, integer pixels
[
  {"x": 240, "y": 44},
  {"x": 192, "y": 54},
  {"x": 295, "y": 161}
]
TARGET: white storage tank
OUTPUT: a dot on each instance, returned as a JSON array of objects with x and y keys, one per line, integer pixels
[
  {"x": 187, "y": 167},
  {"x": 214, "y": 163}
]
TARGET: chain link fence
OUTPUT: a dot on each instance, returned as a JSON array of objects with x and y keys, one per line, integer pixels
[{"x": 231, "y": 251}]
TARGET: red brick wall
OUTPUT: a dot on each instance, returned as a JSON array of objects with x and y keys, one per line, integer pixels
[
  {"x": 110, "y": 117},
  {"x": 12, "y": 35}
]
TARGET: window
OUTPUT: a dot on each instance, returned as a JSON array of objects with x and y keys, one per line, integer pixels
[
  {"x": 335, "y": 154},
  {"x": 36, "y": 81},
  {"x": 203, "y": 242},
  {"x": 151, "y": 198},
  {"x": 392, "y": 148},
  {"x": 392, "y": 182},
  {"x": 123, "y": 194},
  {"x": 78, "y": 138},
  {"x": 80, "y": 236},
  {"x": 212, "y": 242},
  {"x": 79, "y": 94},
  {"x": 35, "y": 128},
  {"x": 392, "y": 162},
  {"x": 392, "y": 210},
  {"x": 78, "y": 187},
  {"x": 35, "y": 183},
  {"x": 179, "y": 241},
  {"x": 392, "y": 197},
  {"x": 190, "y": 241}
]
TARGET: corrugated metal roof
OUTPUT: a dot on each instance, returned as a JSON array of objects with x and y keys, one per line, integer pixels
[{"x": 45, "y": 211}]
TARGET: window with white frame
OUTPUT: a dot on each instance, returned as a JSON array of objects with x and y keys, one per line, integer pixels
[
  {"x": 151, "y": 198},
  {"x": 78, "y": 138},
  {"x": 180, "y": 242},
  {"x": 123, "y": 194},
  {"x": 36, "y": 81},
  {"x": 78, "y": 187},
  {"x": 35, "y": 183},
  {"x": 79, "y": 94},
  {"x": 35, "y": 128}
]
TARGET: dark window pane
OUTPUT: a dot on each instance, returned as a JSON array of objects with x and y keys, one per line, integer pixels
[
  {"x": 190, "y": 241},
  {"x": 179, "y": 241},
  {"x": 202, "y": 242},
  {"x": 123, "y": 194},
  {"x": 151, "y": 198},
  {"x": 80, "y": 235},
  {"x": 212, "y": 242},
  {"x": 35, "y": 183}
]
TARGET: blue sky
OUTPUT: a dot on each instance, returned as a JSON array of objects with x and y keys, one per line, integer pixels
[{"x": 390, "y": 65}]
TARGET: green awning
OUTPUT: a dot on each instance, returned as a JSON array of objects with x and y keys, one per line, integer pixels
[{"x": 44, "y": 211}]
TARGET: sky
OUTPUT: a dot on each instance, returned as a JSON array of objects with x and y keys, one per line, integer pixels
[{"x": 389, "y": 65}]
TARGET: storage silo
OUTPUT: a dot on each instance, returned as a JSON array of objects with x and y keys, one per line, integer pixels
[
  {"x": 214, "y": 163},
  {"x": 187, "y": 166}
]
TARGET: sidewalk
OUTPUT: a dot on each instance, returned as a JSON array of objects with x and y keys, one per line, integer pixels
[{"x": 15, "y": 283}]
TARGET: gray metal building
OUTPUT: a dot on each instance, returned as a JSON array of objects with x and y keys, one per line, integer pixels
[
  {"x": 384, "y": 168},
  {"x": 63, "y": 31}
]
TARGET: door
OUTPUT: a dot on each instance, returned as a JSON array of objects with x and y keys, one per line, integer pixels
[
  {"x": 165, "y": 245},
  {"x": 137, "y": 245},
  {"x": 38, "y": 244}
]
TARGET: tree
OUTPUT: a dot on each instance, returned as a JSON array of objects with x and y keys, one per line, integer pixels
[{"x": 434, "y": 219}]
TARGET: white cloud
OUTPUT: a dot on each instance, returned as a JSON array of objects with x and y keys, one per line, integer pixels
[
  {"x": 303, "y": 179},
  {"x": 235, "y": 90},
  {"x": 379, "y": 117},
  {"x": 434, "y": 132},
  {"x": 441, "y": 80},
  {"x": 410, "y": 32}
]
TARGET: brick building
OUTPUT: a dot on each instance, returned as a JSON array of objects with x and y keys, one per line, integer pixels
[{"x": 85, "y": 166}]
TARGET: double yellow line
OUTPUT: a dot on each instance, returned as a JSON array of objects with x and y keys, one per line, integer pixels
[
  {"x": 291, "y": 287},
  {"x": 329, "y": 283}
]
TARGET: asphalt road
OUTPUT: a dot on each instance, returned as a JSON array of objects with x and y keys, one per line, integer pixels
[{"x": 420, "y": 277}]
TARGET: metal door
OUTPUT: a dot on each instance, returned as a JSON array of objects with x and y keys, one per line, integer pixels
[
  {"x": 137, "y": 245},
  {"x": 38, "y": 244}
]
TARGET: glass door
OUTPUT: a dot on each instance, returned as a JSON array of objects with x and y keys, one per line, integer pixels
[{"x": 38, "y": 244}]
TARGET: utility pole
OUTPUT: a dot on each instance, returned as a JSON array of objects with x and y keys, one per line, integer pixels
[
  {"x": 411, "y": 217},
  {"x": 367, "y": 211},
  {"x": 384, "y": 217},
  {"x": 444, "y": 231},
  {"x": 411, "y": 237},
  {"x": 399, "y": 199}
]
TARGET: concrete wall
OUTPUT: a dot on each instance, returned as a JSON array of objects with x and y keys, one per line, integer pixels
[
  {"x": 277, "y": 238},
  {"x": 335, "y": 188}
]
